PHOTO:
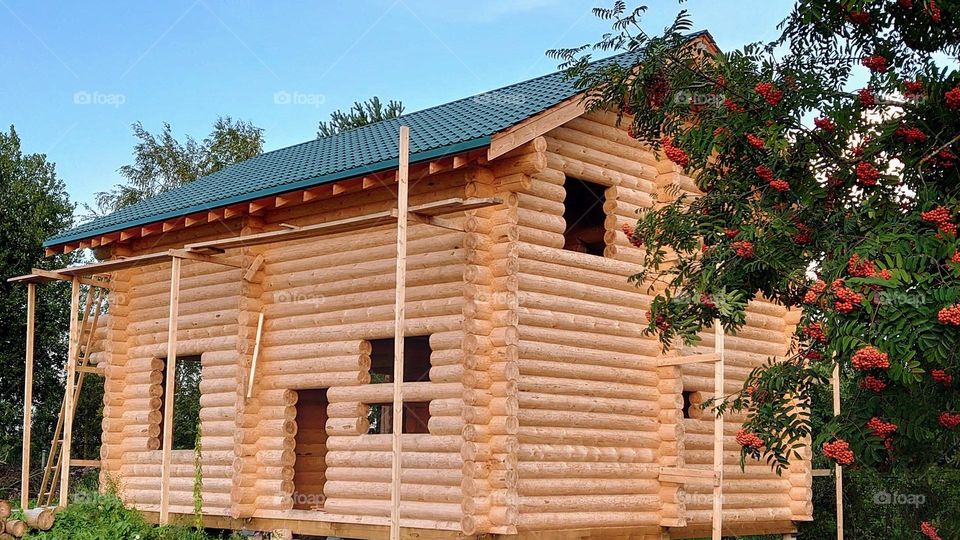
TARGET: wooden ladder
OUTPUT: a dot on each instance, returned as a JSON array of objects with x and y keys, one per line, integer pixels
[
  {"x": 684, "y": 475},
  {"x": 82, "y": 343}
]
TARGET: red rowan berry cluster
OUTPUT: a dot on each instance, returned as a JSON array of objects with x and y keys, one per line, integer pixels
[
  {"x": 674, "y": 154},
  {"x": 764, "y": 172},
  {"x": 660, "y": 322},
  {"x": 867, "y": 99},
  {"x": 950, "y": 315},
  {"x": 869, "y": 357},
  {"x": 861, "y": 268},
  {"x": 876, "y": 63},
  {"x": 635, "y": 241},
  {"x": 803, "y": 234},
  {"x": 912, "y": 134},
  {"x": 942, "y": 377},
  {"x": 881, "y": 429},
  {"x": 945, "y": 159},
  {"x": 846, "y": 298},
  {"x": 927, "y": 529},
  {"x": 873, "y": 383},
  {"x": 812, "y": 355},
  {"x": 934, "y": 10},
  {"x": 813, "y": 294},
  {"x": 953, "y": 98},
  {"x": 732, "y": 106},
  {"x": 814, "y": 331},
  {"x": 780, "y": 185},
  {"x": 955, "y": 258},
  {"x": 731, "y": 233},
  {"x": 825, "y": 124},
  {"x": 755, "y": 141},
  {"x": 707, "y": 301},
  {"x": 949, "y": 420},
  {"x": 743, "y": 248},
  {"x": 937, "y": 216},
  {"x": 747, "y": 439},
  {"x": 839, "y": 451},
  {"x": 867, "y": 173},
  {"x": 912, "y": 89},
  {"x": 860, "y": 17},
  {"x": 769, "y": 93}
]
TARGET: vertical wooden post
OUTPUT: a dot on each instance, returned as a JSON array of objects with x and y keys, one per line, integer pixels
[
  {"x": 28, "y": 398},
  {"x": 256, "y": 354},
  {"x": 838, "y": 470},
  {"x": 68, "y": 401},
  {"x": 168, "y": 391},
  {"x": 718, "y": 389},
  {"x": 398, "y": 330}
]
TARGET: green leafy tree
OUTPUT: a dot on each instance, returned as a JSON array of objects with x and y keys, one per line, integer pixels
[
  {"x": 851, "y": 216},
  {"x": 35, "y": 206},
  {"x": 361, "y": 114},
  {"x": 161, "y": 162}
]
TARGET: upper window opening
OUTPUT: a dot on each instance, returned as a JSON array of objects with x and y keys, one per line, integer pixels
[{"x": 584, "y": 216}]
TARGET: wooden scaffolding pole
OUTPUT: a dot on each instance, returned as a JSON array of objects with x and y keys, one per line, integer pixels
[
  {"x": 68, "y": 398},
  {"x": 838, "y": 471},
  {"x": 398, "y": 330},
  {"x": 169, "y": 385},
  {"x": 28, "y": 398},
  {"x": 718, "y": 389}
]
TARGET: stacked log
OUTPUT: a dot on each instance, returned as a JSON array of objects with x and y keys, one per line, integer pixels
[
  {"x": 36, "y": 518},
  {"x": 207, "y": 328},
  {"x": 755, "y": 493},
  {"x": 489, "y": 499},
  {"x": 587, "y": 433},
  {"x": 112, "y": 425},
  {"x": 324, "y": 299}
]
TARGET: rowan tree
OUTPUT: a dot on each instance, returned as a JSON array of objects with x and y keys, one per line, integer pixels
[{"x": 817, "y": 193}]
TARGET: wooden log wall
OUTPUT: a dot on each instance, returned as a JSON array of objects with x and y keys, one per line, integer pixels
[
  {"x": 597, "y": 417},
  {"x": 547, "y": 407},
  {"x": 130, "y": 450}
]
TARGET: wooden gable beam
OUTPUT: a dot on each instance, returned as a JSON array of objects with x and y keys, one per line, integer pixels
[{"x": 535, "y": 126}]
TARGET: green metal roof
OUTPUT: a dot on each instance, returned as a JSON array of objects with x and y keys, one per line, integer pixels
[{"x": 439, "y": 131}]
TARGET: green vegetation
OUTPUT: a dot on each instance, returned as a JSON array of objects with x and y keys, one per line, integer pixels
[{"x": 361, "y": 114}]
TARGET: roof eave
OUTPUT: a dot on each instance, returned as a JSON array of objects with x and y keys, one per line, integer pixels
[{"x": 385, "y": 165}]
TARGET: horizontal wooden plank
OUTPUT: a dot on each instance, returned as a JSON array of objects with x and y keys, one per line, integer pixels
[
  {"x": 692, "y": 359},
  {"x": 446, "y": 206}
]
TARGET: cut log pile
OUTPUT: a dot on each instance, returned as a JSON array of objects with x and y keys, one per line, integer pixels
[{"x": 34, "y": 518}]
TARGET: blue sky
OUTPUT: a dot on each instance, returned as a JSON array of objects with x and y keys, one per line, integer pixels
[{"x": 77, "y": 74}]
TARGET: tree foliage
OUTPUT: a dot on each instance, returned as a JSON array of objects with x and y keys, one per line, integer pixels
[
  {"x": 817, "y": 193},
  {"x": 35, "y": 206},
  {"x": 161, "y": 162},
  {"x": 361, "y": 114}
]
